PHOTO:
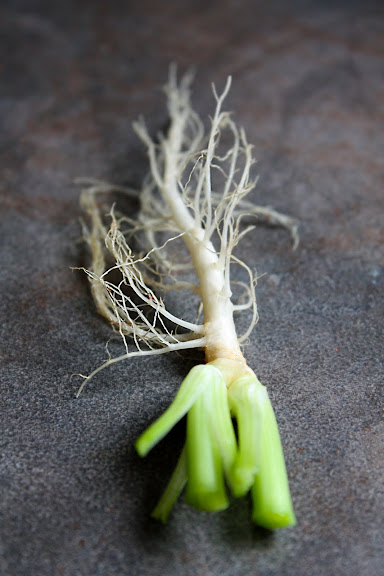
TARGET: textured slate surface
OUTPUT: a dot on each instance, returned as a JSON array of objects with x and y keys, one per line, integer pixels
[{"x": 309, "y": 88}]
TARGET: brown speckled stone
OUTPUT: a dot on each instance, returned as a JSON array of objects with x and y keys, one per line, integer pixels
[{"x": 309, "y": 88}]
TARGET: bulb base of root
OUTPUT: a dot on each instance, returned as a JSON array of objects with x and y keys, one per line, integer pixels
[{"x": 216, "y": 353}]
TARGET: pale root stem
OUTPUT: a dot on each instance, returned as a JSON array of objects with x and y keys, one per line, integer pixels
[{"x": 179, "y": 201}]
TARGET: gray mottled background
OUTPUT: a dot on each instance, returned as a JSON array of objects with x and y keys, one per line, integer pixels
[{"x": 309, "y": 88}]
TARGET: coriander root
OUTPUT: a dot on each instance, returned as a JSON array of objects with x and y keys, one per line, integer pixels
[{"x": 195, "y": 196}]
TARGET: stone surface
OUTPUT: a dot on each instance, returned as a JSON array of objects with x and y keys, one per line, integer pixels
[{"x": 309, "y": 88}]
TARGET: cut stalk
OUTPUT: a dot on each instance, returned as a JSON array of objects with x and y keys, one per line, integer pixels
[
  {"x": 247, "y": 398},
  {"x": 272, "y": 506},
  {"x": 205, "y": 486},
  {"x": 173, "y": 490},
  {"x": 189, "y": 390}
]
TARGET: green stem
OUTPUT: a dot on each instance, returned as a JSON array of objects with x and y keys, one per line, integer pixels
[
  {"x": 205, "y": 488},
  {"x": 247, "y": 399},
  {"x": 173, "y": 490},
  {"x": 272, "y": 506},
  {"x": 189, "y": 390},
  {"x": 221, "y": 421}
]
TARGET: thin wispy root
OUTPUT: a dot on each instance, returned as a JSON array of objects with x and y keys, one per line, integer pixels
[{"x": 193, "y": 206}]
